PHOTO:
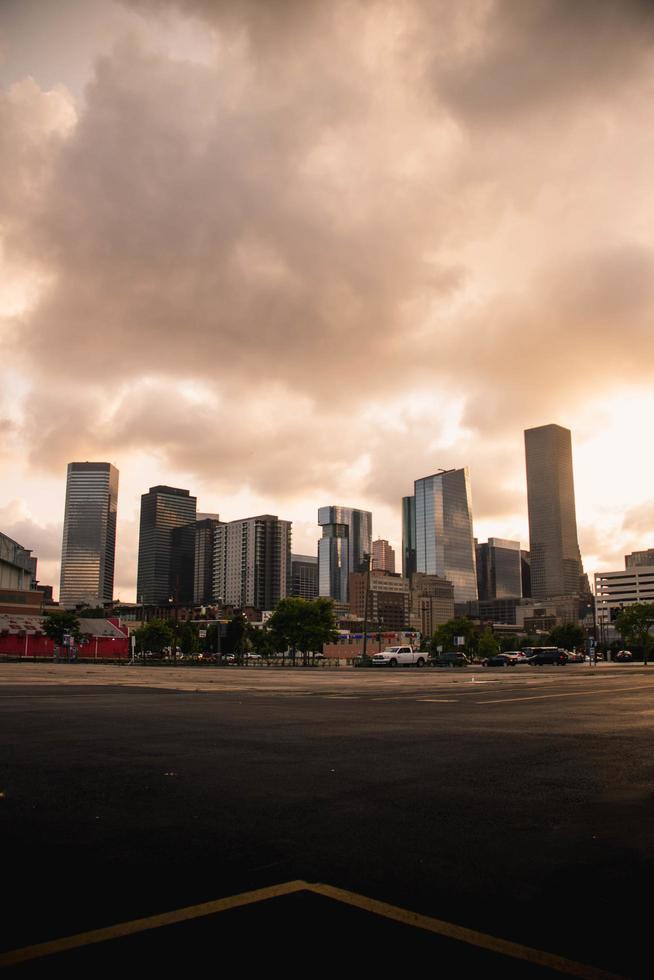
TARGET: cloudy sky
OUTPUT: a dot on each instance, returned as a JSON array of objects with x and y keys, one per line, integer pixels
[{"x": 288, "y": 253}]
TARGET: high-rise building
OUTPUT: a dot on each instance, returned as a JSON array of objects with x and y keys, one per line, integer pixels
[
  {"x": 163, "y": 564},
  {"x": 89, "y": 541},
  {"x": 388, "y": 599},
  {"x": 304, "y": 576},
  {"x": 443, "y": 531},
  {"x": 203, "y": 554},
  {"x": 555, "y": 557},
  {"x": 637, "y": 558},
  {"x": 346, "y": 538},
  {"x": 432, "y": 602},
  {"x": 499, "y": 571},
  {"x": 525, "y": 573},
  {"x": 252, "y": 562},
  {"x": 408, "y": 536},
  {"x": 383, "y": 556}
]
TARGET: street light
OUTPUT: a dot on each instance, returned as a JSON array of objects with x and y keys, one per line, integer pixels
[{"x": 366, "y": 587}]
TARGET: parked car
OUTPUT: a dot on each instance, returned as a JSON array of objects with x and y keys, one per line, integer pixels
[
  {"x": 402, "y": 656},
  {"x": 549, "y": 656},
  {"x": 574, "y": 657},
  {"x": 500, "y": 660},
  {"x": 624, "y": 655},
  {"x": 454, "y": 659}
]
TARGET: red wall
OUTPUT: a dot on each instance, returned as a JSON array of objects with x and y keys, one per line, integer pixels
[{"x": 42, "y": 646}]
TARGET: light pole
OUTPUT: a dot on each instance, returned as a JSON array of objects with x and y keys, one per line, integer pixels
[{"x": 366, "y": 588}]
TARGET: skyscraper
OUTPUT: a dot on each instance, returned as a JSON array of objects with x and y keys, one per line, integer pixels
[
  {"x": 444, "y": 538},
  {"x": 159, "y": 576},
  {"x": 383, "y": 556},
  {"x": 555, "y": 558},
  {"x": 499, "y": 569},
  {"x": 408, "y": 536},
  {"x": 89, "y": 541},
  {"x": 346, "y": 538},
  {"x": 252, "y": 562},
  {"x": 304, "y": 576}
]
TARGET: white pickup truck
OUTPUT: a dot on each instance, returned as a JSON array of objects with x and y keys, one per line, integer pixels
[{"x": 399, "y": 657}]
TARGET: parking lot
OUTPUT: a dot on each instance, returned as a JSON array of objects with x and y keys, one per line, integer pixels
[{"x": 498, "y": 819}]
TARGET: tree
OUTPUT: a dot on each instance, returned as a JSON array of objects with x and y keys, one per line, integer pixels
[
  {"x": 634, "y": 624},
  {"x": 303, "y": 624},
  {"x": 262, "y": 640},
  {"x": 235, "y": 636},
  {"x": 154, "y": 637},
  {"x": 59, "y": 623},
  {"x": 188, "y": 639},
  {"x": 487, "y": 645},
  {"x": 509, "y": 641},
  {"x": 445, "y": 634},
  {"x": 568, "y": 636}
]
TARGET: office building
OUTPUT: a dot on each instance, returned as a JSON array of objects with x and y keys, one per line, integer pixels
[
  {"x": 346, "y": 540},
  {"x": 388, "y": 599},
  {"x": 408, "y": 536},
  {"x": 252, "y": 562},
  {"x": 203, "y": 554},
  {"x": 499, "y": 569},
  {"x": 614, "y": 590},
  {"x": 637, "y": 558},
  {"x": 525, "y": 573},
  {"x": 304, "y": 576},
  {"x": 431, "y": 602},
  {"x": 383, "y": 556},
  {"x": 163, "y": 567},
  {"x": 443, "y": 531},
  {"x": 554, "y": 549},
  {"x": 89, "y": 539},
  {"x": 19, "y": 590}
]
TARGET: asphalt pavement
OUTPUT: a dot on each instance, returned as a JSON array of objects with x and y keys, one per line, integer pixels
[{"x": 480, "y": 819}]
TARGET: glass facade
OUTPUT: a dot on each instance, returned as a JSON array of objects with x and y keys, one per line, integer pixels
[
  {"x": 160, "y": 578},
  {"x": 499, "y": 572},
  {"x": 555, "y": 557},
  {"x": 346, "y": 538},
  {"x": 408, "y": 536},
  {"x": 89, "y": 540},
  {"x": 444, "y": 536}
]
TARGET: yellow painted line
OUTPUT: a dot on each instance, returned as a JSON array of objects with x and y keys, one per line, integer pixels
[
  {"x": 571, "y": 694},
  {"x": 462, "y": 934},
  {"x": 438, "y": 926},
  {"x": 15, "y": 956}
]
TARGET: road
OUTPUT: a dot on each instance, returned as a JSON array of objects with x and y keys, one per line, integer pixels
[{"x": 515, "y": 804}]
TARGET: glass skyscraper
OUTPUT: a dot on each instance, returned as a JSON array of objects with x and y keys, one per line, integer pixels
[
  {"x": 89, "y": 540},
  {"x": 443, "y": 531},
  {"x": 408, "y": 536},
  {"x": 555, "y": 557},
  {"x": 163, "y": 561},
  {"x": 346, "y": 538},
  {"x": 499, "y": 569}
]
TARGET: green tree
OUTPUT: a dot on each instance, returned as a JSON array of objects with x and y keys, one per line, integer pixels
[
  {"x": 58, "y": 623},
  {"x": 568, "y": 636},
  {"x": 304, "y": 625},
  {"x": 262, "y": 640},
  {"x": 445, "y": 634},
  {"x": 487, "y": 645},
  {"x": 154, "y": 637},
  {"x": 634, "y": 624},
  {"x": 235, "y": 640},
  {"x": 187, "y": 637}
]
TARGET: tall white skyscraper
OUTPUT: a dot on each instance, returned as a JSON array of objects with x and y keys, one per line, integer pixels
[
  {"x": 89, "y": 541},
  {"x": 252, "y": 562},
  {"x": 444, "y": 537}
]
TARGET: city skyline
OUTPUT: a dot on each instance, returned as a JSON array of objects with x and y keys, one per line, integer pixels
[{"x": 312, "y": 284}]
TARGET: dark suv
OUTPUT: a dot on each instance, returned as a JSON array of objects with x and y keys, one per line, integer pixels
[
  {"x": 549, "y": 657},
  {"x": 448, "y": 660}
]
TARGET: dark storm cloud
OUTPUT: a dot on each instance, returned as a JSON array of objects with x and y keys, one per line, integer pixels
[{"x": 545, "y": 54}]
